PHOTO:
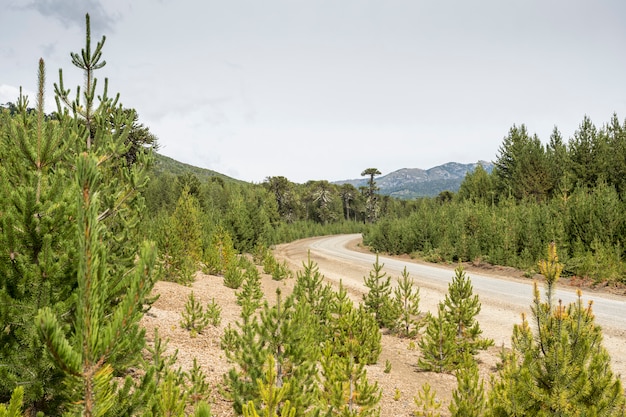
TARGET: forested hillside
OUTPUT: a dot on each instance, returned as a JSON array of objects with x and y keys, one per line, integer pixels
[{"x": 90, "y": 219}]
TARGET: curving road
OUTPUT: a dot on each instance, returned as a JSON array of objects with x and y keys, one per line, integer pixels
[{"x": 503, "y": 299}]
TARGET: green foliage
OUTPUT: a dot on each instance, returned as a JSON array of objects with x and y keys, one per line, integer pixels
[
  {"x": 281, "y": 271},
  {"x": 438, "y": 344},
  {"x": 184, "y": 233},
  {"x": 354, "y": 330},
  {"x": 166, "y": 390},
  {"x": 251, "y": 294},
  {"x": 311, "y": 290},
  {"x": 170, "y": 397},
  {"x": 285, "y": 331},
  {"x": 272, "y": 393},
  {"x": 278, "y": 270},
  {"x": 566, "y": 192},
  {"x": 560, "y": 368},
  {"x": 193, "y": 318},
  {"x": 178, "y": 238},
  {"x": 521, "y": 169},
  {"x": 461, "y": 308},
  {"x": 197, "y": 386},
  {"x": 75, "y": 279},
  {"x": 426, "y": 403},
  {"x": 220, "y": 253},
  {"x": 477, "y": 187},
  {"x": 453, "y": 336},
  {"x": 346, "y": 389},
  {"x": 468, "y": 399},
  {"x": 103, "y": 336},
  {"x": 14, "y": 408},
  {"x": 233, "y": 276},
  {"x": 407, "y": 297},
  {"x": 213, "y": 313},
  {"x": 371, "y": 201},
  {"x": 379, "y": 300},
  {"x": 37, "y": 240}
]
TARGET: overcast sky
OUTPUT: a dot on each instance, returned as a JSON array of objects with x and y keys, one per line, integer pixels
[{"x": 327, "y": 88}]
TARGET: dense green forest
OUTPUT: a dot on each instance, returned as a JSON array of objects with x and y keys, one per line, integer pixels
[
  {"x": 91, "y": 217},
  {"x": 568, "y": 192}
]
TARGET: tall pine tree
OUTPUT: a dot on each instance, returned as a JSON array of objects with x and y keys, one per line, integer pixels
[
  {"x": 47, "y": 164},
  {"x": 36, "y": 235}
]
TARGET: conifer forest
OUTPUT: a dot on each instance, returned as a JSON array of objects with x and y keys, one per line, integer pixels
[{"x": 92, "y": 218}]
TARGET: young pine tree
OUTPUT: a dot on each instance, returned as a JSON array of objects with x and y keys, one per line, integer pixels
[
  {"x": 105, "y": 338},
  {"x": 379, "y": 300},
  {"x": 354, "y": 331},
  {"x": 468, "y": 399},
  {"x": 39, "y": 212},
  {"x": 37, "y": 244},
  {"x": 440, "y": 352},
  {"x": 407, "y": 297},
  {"x": 251, "y": 294},
  {"x": 426, "y": 403},
  {"x": 346, "y": 390},
  {"x": 272, "y": 396},
  {"x": 560, "y": 367},
  {"x": 286, "y": 331},
  {"x": 311, "y": 290},
  {"x": 193, "y": 318},
  {"x": 461, "y": 306},
  {"x": 186, "y": 232}
]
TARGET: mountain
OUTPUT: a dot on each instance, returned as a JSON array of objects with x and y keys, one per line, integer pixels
[
  {"x": 408, "y": 183},
  {"x": 164, "y": 163}
]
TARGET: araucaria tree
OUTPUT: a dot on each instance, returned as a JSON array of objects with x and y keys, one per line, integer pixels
[
  {"x": 560, "y": 367},
  {"x": 371, "y": 201}
]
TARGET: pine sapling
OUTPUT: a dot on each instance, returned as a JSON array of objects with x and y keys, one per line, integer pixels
[
  {"x": 438, "y": 346},
  {"x": 379, "y": 300},
  {"x": 461, "y": 308},
  {"x": 562, "y": 357},
  {"x": 197, "y": 386},
  {"x": 194, "y": 318},
  {"x": 213, "y": 313},
  {"x": 346, "y": 389},
  {"x": 407, "y": 297},
  {"x": 468, "y": 399},
  {"x": 426, "y": 403},
  {"x": 251, "y": 294},
  {"x": 233, "y": 276},
  {"x": 272, "y": 395}
]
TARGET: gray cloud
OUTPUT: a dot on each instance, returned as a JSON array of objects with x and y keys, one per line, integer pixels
[{"x": 72, "y": 13}]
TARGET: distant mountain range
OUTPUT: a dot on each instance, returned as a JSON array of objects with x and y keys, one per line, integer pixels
[
  {"x": 405, "y": 183},
  {"x": 408, "y": 183}
]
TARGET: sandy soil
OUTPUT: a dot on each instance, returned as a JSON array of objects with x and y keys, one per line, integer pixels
[{"x": 404, "y": 377}]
